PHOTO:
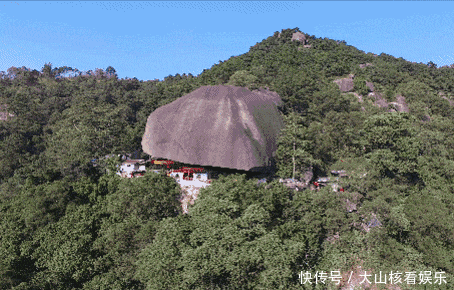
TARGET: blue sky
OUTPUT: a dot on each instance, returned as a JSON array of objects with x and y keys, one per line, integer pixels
[{"x": 150, "y": 40}]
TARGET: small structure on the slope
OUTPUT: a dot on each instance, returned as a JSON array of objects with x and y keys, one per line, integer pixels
[
  {"x": 373, "y": 222},
  {"x": 167, "y": 163},
  {"x": 132, "y": 167},
  {"x": 201, "y": 176},
  {"x": 340, "y": 173},
  {"x": 262, "y": 181},
  {"x": 293, "y": 184},
  {"x": 329, "y": 181},
  {"x": 186, "y": 176}
]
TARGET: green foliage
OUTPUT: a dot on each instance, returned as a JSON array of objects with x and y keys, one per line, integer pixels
[
  {"x": 132, "y": 211},
  {"x": 69, "y": 223},
  {"x": 237, "y": 235},
  {"x": 359, "y": 85},
  {"x": 243, "y": 78},
  {"x": 64, "y": 258},
  {"x": 152, "y": 196},
  {"x": 329, "y": 99},
  {"x": 429, "y": 231},
  {"x": 390, "y": 143},
  {"x": 294, "y": 152},
  {"x": 26, "y": 215}
]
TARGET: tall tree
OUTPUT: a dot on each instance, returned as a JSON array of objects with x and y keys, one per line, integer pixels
[{"x": 293, "y": 155}]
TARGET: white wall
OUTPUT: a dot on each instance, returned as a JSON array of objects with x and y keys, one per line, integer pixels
[{"x": 201, "y": 176}]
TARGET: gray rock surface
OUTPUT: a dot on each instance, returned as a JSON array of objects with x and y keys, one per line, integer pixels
[
  {"x": 345, "y": 84},
  {"x": 220, "y": 126},
  {"x": 379, "y": 100},
  {"x": 356, "y": 95},
  {"x": 363, "y": 65},
  {"x": 370, "y": 86},
  {"x": 299, "y": 36},
  {"x": 400, "y": 105},
  {"x": 308, "y": 175},
  {"x": 442, "y": 94}
]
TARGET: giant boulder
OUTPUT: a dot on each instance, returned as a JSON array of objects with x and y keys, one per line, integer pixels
[{"x": 219, "y": 126}]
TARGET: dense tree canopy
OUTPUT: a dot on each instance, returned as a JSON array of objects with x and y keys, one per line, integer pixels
[{"x": 69, "y": 222}]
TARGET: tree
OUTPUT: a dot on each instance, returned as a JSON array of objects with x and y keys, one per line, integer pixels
[
  {"x": 391, "y": 144},
  {"x": 64, "y": 251},
  {"x": 236, "y": 236},
  {"x": 111, "y": 72},
  {"x": 30, "y": 213},
  {"x": 47, "y": 70},
  {"x": 133, "y": 209},
  {"x": 243, "y": 78},
  {"x": 431, "y": 64},
  {"x": 360, "y": 87},
  {"x": 293, "y": 155}
]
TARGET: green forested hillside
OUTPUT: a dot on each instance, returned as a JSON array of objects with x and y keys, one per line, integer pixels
[{"x": 68, "y": 223}]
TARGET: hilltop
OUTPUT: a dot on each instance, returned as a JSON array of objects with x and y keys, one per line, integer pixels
[{"x": 387, "y": 122}]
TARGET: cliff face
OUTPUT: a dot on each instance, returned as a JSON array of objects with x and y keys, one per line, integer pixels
[{"x": 220, "y": 126}]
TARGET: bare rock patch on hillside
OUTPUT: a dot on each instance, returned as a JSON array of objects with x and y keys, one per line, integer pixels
[
  {"x": 188, "y": 196},
  {"x": 443, "y": 96},
  {"x": 363, "y": 65},
  {"x": 400, "y": 105},
  {"x": 299, "y": 37},
  {"x": 345, "y": 84}
]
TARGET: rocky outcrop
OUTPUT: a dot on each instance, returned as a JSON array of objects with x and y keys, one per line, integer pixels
[
  {"x": 299, "y": 37},
  {"x": 345, "y": 84},
  {"x": 400, "y": 105},
  {"x": 378, "y": 100},
  {"x": 188, "y": 196},
  {"x": 358, "y": 96},
  {"x": 451, "y": 102},
  {"x": 365, "y": 65},
  {"x": 443, "y": 96},
  {"x": 308, "y": 175},
  {"x": 352, "y": 201},
  {"x": 370, "y": 86},
  {"x": 218, "y": 126}
]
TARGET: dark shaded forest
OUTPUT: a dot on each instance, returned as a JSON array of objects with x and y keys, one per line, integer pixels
[{"x": 67, "y": 222}]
